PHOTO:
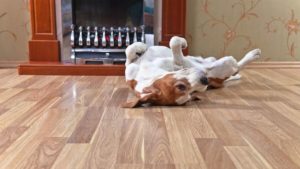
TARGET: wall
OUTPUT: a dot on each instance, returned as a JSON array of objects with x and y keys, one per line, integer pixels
[
  {"x": 214, "y": 27},
  {"x": 232, "y": 27},
  {"x": 14, "y": 30}
]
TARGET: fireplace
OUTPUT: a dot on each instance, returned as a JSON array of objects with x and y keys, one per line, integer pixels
[
  {"x": 53, "y": 50},
  {"x": 98, "y": 31}
]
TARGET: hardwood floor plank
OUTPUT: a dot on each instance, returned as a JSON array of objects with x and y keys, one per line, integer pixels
[
  {"x": 10, "y": 83},
  {"x": 9, "y": 117},
  {"x": 71, "y": 95},
  {"x": 222, "y": 127},
  {"x": 9, "y": 136},
  {"x": 28, "y": 82},
  {"x": 68, "y": 121},
  {"x": 86, "y": 126},
  {"x": 270, "y": 130},
  {"x": 30, "y": 140},
  {"x": 105, "y": 145},
  {"x": 244, "y": 158},
  {"x": 72, "y": 156},
  {"x": 160, "y": 166},
  {"x": 286, "y": 111},
  {"x": 16, "y": 99},
  {"x": 34, "y": 113},
  {"x": 114, "y": 105},
  {"x": 156, "y": 141},
  {"x": 198, "y": 124},
  {"x": 131, "y": 147},
  {"x": 214, "y": 154},
  {"x": 183, "y": 146},
  {"x": 292, "y": 149},
  {"x": 104, "y": 96},
  {"x": 45, "y": 155},
  {"x": 42, "y": 82},
  {"x": 282, "y": 122},
  {"x": 95, "y": 81},
  {"x": 275, "y": 156},
  {"x": 128, "y": 166},
  {"x": 189, "y": 166},
  {"x": 4, "y": 96}
]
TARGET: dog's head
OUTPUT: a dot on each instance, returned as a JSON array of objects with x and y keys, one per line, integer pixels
[{"x": 175, "y": 88}]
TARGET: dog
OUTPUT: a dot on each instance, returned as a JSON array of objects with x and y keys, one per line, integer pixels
[{"x": 164, "y": 76}]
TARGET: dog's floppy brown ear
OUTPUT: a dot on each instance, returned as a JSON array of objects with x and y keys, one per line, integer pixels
[
  {"x": 149, "y": 94},
  {"x": 132, "y": 103}
]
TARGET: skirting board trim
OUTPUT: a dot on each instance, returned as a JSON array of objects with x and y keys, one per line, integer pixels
[{"x": 274, "y": 65}]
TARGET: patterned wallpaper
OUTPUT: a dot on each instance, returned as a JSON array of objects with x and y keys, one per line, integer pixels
[
  {"x": 214, "y": 28},
  {"x": 14, "y": 30},
  {"x": 232, "y": 27}
]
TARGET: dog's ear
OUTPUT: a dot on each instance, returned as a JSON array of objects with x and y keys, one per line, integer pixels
[
  {"x": 149, "y": 95},
  {"x": 135, "y": 102}
]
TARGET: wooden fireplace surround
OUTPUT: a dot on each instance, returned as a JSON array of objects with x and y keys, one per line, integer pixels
[{"x": 44, "y": 48}]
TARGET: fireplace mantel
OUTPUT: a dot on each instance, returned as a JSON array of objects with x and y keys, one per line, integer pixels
[{"x": 44, "y": 48}]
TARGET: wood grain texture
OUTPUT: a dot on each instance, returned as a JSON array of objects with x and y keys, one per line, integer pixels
[
  {"x": 246, "y": 158},
  {"x": 9, "y": 135},
  {"x": 46, "y": 154},
  {"x": 156, "y": 140},
  {"x": 87, "y": 126},
  {"x": 76, "y": 122},
  {"x": 131, "y": 147},
  {"x": 276, "y": 157},
  {"x": 212, "y": 151},
  {"x": 72, "y": 156}
]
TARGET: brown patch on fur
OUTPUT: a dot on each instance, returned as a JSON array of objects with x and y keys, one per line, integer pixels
[
  {"x": 216, "y": 82},
  {"x": 132, "y": 83},
  {"x": 165, "y": 92}
]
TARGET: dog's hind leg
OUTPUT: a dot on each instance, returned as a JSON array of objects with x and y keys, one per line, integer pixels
[
  {"x": 249, "y": 57},
  {"x": 134, "y": 51},
  {"x": 176, "y": 45}
]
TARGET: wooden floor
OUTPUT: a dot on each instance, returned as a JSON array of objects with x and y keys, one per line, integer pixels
[{"x": 64, "y": 122}]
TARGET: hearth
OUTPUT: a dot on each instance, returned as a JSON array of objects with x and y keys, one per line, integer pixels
[{"x": 98, "y": 31}]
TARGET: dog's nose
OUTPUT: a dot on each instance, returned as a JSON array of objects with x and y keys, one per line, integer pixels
[{"x": 204, "y": 80}]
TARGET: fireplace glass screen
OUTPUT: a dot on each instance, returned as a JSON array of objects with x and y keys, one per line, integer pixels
[{"x": 108, "y": 13}]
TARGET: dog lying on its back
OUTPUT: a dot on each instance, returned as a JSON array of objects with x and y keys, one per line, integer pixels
[{"x": 163, "y": 76}]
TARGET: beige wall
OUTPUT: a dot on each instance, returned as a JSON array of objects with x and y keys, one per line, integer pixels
[
  {"x": 14, "y": 30},
  {"x": 232, "y": 27},
  {"x": 214, "y": 27}
]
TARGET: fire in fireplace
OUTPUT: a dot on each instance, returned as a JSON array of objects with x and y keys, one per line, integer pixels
[{"x": 98, "y": 31}]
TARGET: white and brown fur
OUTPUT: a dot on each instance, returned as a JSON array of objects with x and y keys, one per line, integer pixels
[{"x": 163, "y": 76}]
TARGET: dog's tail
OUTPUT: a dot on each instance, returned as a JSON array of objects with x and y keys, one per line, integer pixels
[
  {"x": 177, "y": 44},
  {"x": 134, "y": 51}
]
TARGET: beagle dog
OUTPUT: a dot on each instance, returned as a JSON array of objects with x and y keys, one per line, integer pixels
[{"x": 163, "y": 76}]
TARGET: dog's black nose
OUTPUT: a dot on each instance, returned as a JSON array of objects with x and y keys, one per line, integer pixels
[{"x": 204, "y": 80}]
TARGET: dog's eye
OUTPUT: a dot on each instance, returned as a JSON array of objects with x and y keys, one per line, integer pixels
[{"x": 181, "y": 87}]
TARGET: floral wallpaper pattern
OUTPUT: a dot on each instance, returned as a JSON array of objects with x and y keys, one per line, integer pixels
[
  {"x": 233, "y": 27},
  {"x": 14, "y": 30},
  {"x": 214, "y": 28},
  {"x": 292, "y": 26},
  {"x": 231, "y": 32}
]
